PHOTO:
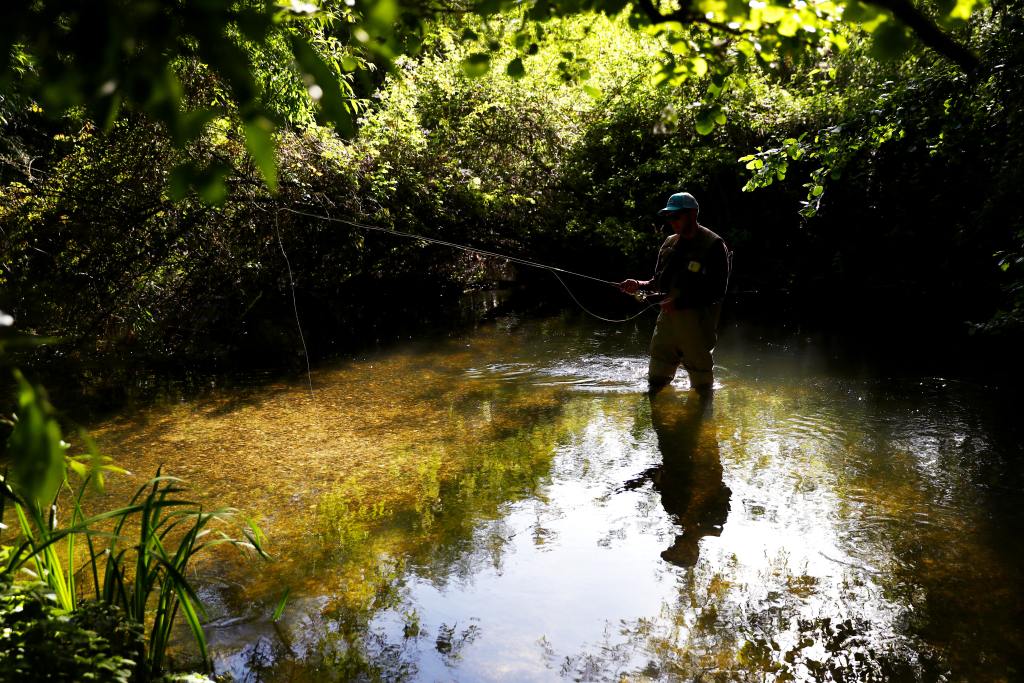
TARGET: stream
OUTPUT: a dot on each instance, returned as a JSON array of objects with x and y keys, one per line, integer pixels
[{"x": 508, "y": 504}]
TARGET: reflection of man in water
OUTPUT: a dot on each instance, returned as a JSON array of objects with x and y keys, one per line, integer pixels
[{"x": 689, "y": 478}]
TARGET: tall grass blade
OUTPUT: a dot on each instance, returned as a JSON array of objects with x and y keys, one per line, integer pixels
[{"x": 279, "y": 610}]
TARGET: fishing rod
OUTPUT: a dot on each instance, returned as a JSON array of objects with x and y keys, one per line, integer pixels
[{"x": 554, "y": 270}]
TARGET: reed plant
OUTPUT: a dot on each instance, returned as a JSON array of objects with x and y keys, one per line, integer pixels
[{"x": 137, "y": 555}]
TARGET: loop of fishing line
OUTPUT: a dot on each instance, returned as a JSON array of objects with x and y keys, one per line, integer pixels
[
  {"x": 595, "y": 315},
  {"x": 483, "y": 252}
]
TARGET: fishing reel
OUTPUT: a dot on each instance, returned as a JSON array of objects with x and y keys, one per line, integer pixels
[{"x": 643, "y": 296}]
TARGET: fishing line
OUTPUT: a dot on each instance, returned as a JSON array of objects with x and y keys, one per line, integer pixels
[
  {"x": 554, "y": 270},
  {"x": 595, "y": 315},
  {"x": 295, "y": 308}
]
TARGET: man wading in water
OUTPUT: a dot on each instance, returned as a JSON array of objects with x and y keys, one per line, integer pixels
[{"x": 693, "y": 273}]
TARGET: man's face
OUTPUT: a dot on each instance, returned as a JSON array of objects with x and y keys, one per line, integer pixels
[{"x": 682, "y": 223}]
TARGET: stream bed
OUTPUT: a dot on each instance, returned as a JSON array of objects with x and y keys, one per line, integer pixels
[{"x": 508, "y": 504}]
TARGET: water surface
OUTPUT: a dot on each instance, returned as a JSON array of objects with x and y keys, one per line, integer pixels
[{"x": 509, "y": 505}]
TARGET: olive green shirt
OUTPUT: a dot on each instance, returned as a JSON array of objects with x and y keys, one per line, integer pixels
[{"x": 693, "y": 272}]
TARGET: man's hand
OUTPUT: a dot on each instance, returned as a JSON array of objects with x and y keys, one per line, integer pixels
[{"x": 630, "y": 286}]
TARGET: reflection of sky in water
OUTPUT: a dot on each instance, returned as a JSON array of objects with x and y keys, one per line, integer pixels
[{"x": 463, "y": 510}]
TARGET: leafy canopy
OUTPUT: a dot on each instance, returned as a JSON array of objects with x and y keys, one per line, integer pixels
[{"x": 283, "y": 62}]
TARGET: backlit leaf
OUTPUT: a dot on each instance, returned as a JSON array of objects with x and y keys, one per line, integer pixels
[
  {"x": 259, "y": 140},
  {"x": 35, "y": 448}
]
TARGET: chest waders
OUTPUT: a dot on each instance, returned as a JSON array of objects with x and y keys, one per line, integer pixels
[{"x": 687, "y": 334}]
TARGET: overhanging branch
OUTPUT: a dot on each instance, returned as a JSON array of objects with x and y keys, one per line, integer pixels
[
  {"x": 929, "y": 33},
  {"x": 924, "y": 28},
  {"x": 684, "y": 16}
]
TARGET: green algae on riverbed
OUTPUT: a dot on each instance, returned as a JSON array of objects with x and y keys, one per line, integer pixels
[{"x": 505, "y": 505}]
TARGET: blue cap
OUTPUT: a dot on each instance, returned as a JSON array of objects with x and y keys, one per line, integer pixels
[{"x": 680, "y": 201}]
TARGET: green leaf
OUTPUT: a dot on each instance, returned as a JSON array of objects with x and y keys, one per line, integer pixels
[
  {"x": 191, "y": 124},
  {"x": 699, "y": 66},
  {"x": 890, "y": 40},
  {"x": 788, "y": 26},
  {"x": 279, "y": 610},
  {"x": 212, "y": 184},
  {"x": 182, "y": 178},
  {"x": 963, "y": 9},
  {"x": 705, "y": 122},
  {"x": 476, "y": 65},
  {"x": 772, "y": 14},
  {"x": 857, "y": 12},
  {"x": 35, "y": 448},
  {"x": 331, "y": 101},
  {"x": 208, "y": 181},
  {"x": 259, "y": 140},
  {"x": 594, "y": 93},
  {"x": 515, "y": 68},
  {"x": 382, "y": 15},
  {"x": 817, "y": 190}
]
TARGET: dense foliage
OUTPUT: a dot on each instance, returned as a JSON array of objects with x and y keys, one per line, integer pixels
[
  {"x": 546, "y": 134},
  {"x": 96, "y": 643}
]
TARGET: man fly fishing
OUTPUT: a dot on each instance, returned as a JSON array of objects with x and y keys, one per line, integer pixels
[{"x": 692, "y": 272}]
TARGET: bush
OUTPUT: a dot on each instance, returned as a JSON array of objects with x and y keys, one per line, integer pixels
[{"x": 41, "y": 642}]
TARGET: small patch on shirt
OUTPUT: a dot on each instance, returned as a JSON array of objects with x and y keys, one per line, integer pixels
[{"x": 694, "y": 266}]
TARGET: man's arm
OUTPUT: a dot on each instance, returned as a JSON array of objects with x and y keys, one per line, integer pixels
[
  {"x": 631, "y": 286},
  {"x": 718, "y": 271}
]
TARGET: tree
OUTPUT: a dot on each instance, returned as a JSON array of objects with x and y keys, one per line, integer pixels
[{"x": 99, "y": 59}]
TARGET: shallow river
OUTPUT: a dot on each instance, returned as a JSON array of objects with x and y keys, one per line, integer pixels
[{"x": 509, "y": 505}]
